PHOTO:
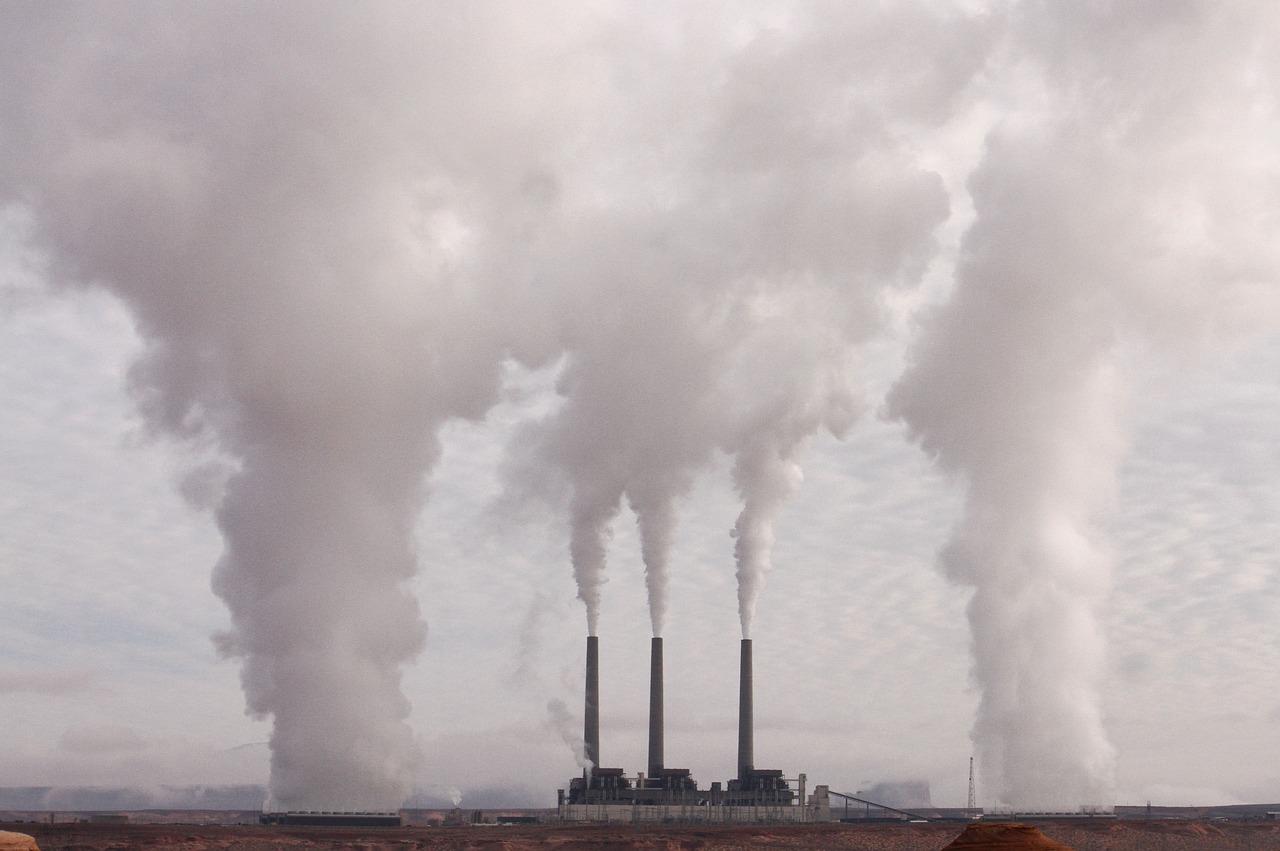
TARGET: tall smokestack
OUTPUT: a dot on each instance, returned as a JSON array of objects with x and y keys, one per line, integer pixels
[
  {"x": 655, "y": 708},
  {"x": 746, "y": 734},
  {"x": 591, "y": 715}
]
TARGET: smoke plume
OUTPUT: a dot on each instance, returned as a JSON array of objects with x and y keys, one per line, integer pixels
[
  {"x": 334, "y": 226},
  {"x": 569, "y": 729},
  {"x": 730, "y": 292},
  {"x": 1107, "y": 210},
  {"x": 271, "y": 193}
]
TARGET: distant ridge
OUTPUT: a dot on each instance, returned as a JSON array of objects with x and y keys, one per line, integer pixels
[
  {"x": 114, "y": 798},
  {"x": 22, "y": 799}
]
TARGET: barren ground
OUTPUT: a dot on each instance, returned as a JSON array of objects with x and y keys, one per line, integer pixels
[{"x": 1118, "y": 835}]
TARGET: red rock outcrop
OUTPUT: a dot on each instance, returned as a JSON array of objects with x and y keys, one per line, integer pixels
[
  {"x": 1004, "y": 836},
  {"x": 10, "y": 841}
]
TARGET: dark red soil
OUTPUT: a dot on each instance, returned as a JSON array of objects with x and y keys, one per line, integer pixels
[
  {"x": 998, "y": 836},
  {"x": 1098, "y": 835}
]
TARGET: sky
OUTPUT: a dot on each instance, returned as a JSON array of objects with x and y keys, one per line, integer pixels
[{"x": 344, "y": 357}]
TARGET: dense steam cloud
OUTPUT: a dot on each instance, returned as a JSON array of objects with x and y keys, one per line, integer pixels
[
  {"x": 335, "y": 224},
  {"x": 279, "y": 197},
  {"x": 719, "y": 304},
  {"x": 1110, "y": 209}
]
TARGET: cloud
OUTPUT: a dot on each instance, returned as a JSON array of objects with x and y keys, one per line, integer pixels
[
  {"x": 105, "y": 739},
  {"x": 47, "y": 683}
]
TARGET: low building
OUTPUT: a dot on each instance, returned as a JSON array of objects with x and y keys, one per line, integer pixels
[
  {"x": 298, "y": 818},
  {"x": 620, "y": 799}
]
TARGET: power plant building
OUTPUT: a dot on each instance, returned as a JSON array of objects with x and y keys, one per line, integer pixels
[
  {"x": 664, "y": 794},
  {"x": 312, "y": 818}
]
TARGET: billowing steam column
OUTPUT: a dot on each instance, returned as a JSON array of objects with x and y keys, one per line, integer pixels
[
  {"x": 746, "y": 723},
  {"x": 591, "y": 713},
  {"x": 655, "y": 708}
]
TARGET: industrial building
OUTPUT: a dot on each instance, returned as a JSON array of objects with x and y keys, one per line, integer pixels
[
  {"x": 664, "y": 794},
  {"x": 298, "y": 818}
]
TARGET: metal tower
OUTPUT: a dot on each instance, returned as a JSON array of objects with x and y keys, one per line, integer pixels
[{"x": 973, "y": 797}]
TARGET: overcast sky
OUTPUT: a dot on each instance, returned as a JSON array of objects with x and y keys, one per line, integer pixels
[{"x": 594, "y": 194}]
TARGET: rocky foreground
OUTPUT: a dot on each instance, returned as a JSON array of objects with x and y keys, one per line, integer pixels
[{"x": 1082, "y": 836}]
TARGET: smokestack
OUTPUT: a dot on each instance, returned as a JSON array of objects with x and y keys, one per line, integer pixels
[
  {"x": 655, "y": 708},
  {"x": 746, "y": 755},
  {"x": 591, "y": 717}
]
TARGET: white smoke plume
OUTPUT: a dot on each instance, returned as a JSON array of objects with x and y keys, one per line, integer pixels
[
  {"x": 287, "y": 200},
  {"x": 791, "y": 376},
  {"x": 729, "y": 294},
  {"x": 333, "y": 225},
  {"x": 1125, "y": 198},
  {"x": 569, "y": 729}
]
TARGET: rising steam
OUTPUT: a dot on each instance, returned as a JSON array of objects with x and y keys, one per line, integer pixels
[
  {"x": 334, "y": 223},
  {"x": 268, "y": 193},
  {"x": 729, "y": 296},
  {"x": 569, "y": 729},
  {"x": 1109, "y": 210}
]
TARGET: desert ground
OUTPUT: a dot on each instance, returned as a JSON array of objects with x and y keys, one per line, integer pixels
[{"x": 1126, "y": 835}]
